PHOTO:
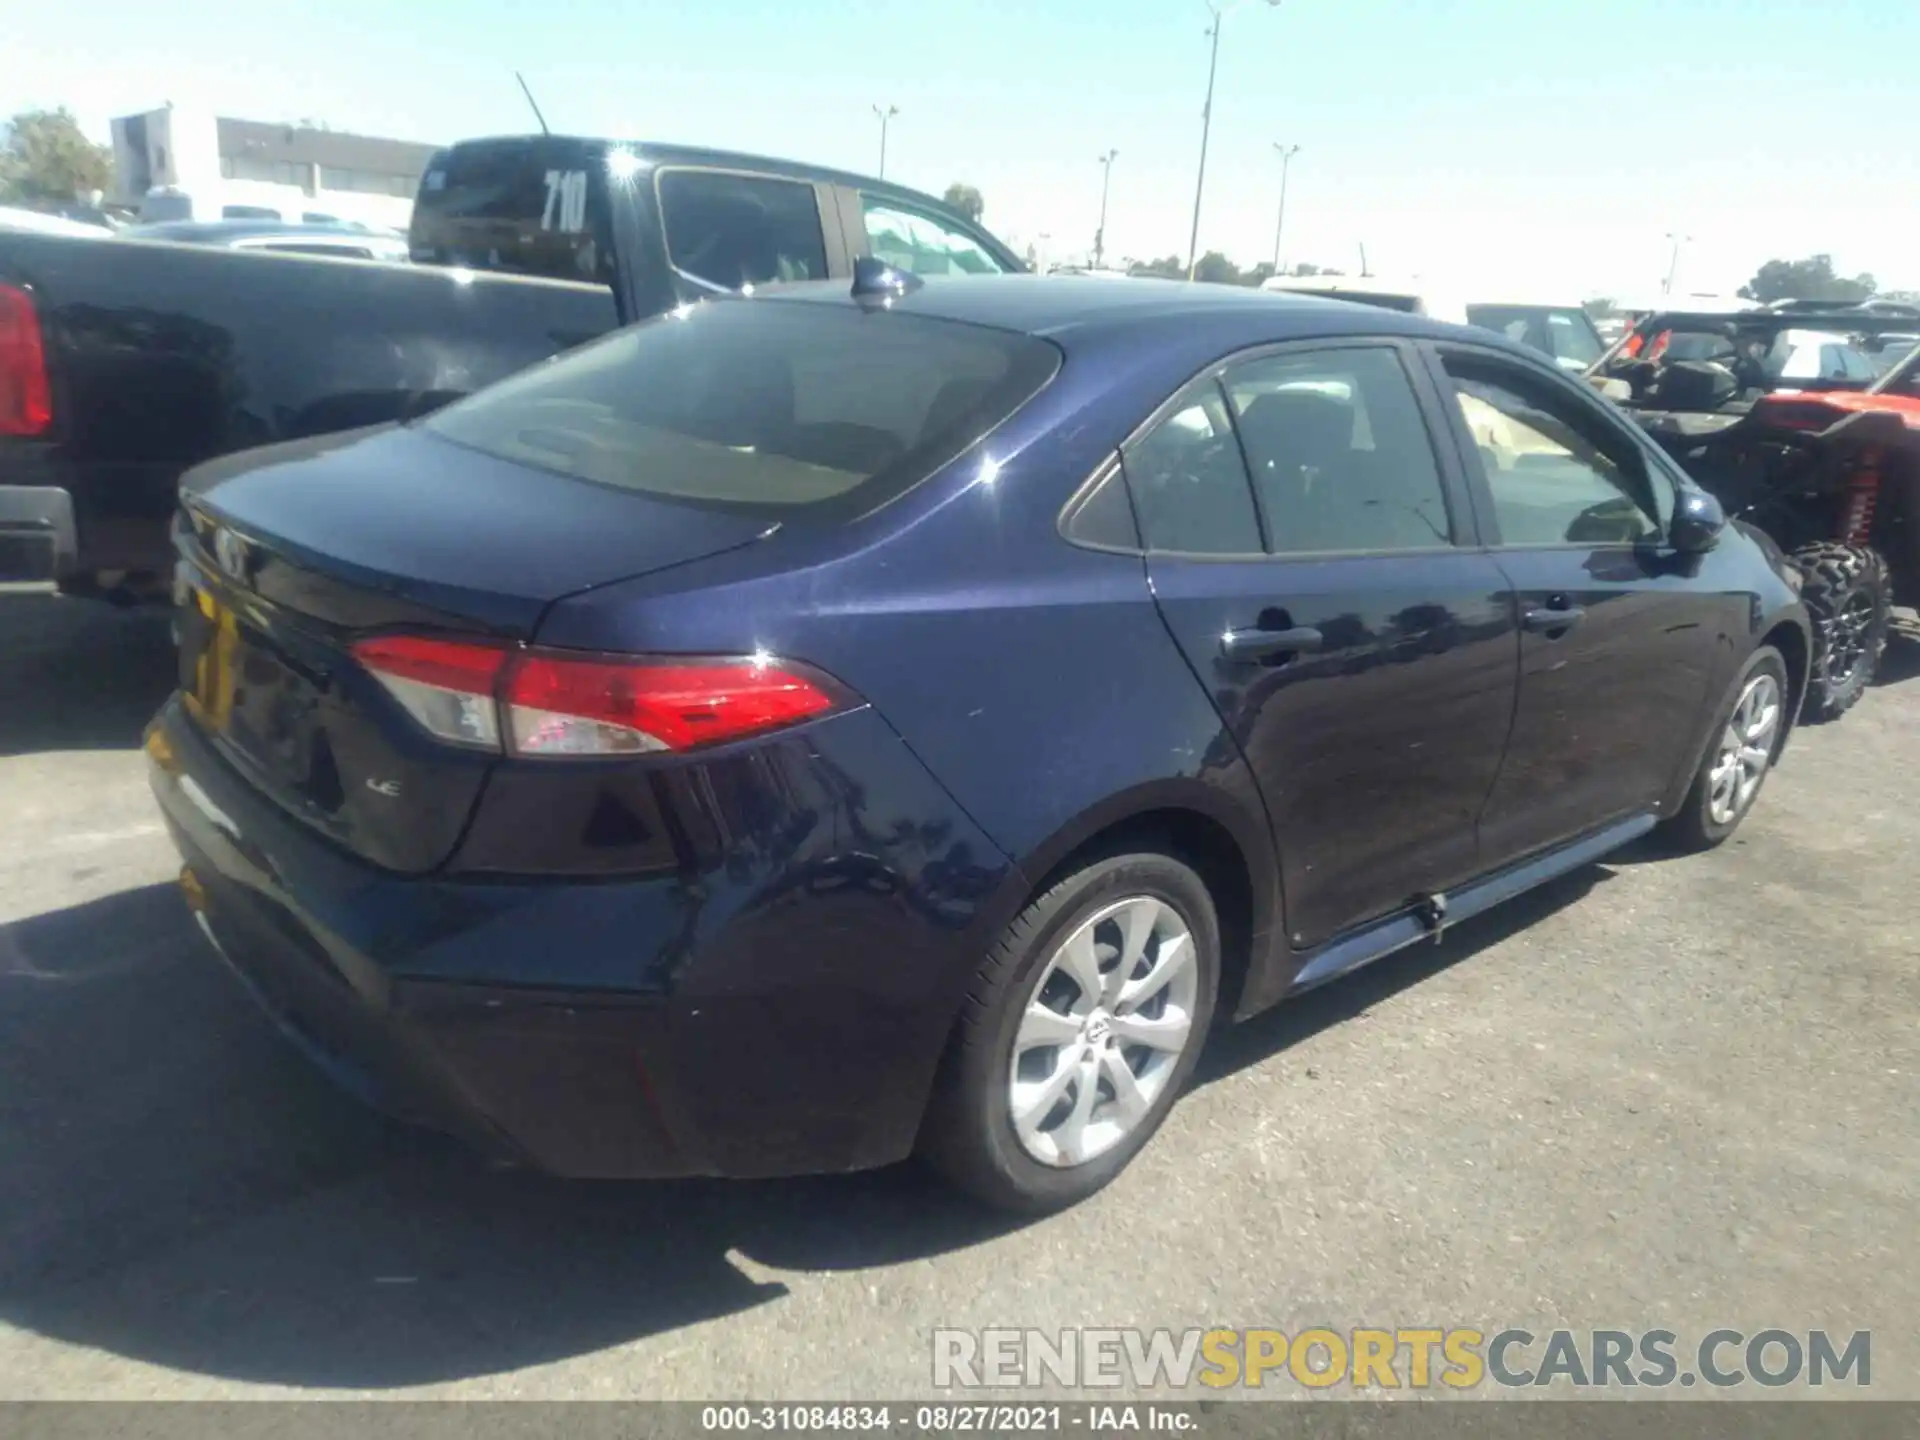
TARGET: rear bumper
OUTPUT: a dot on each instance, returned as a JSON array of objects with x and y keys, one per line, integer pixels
[
  {"x": 772, "y": 1028},
  {"x": 38, "y": 538}
]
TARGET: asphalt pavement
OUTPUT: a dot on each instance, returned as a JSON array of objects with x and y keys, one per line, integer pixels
[{"x": 1662, "y": 1093}]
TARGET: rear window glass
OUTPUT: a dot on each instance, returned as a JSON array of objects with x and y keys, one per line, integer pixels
[
  {"x": 760, "y": 403},
  {"x": 737, "y": 230},
  {"x": 529, "y": 207}
]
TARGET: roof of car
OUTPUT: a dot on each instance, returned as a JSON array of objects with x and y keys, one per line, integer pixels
[
  {"x": 654, "y": 155},
  {"x": 1056, "y": 305}
]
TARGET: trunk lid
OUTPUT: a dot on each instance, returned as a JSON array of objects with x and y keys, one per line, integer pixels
[{"x": 290, "y": 554}]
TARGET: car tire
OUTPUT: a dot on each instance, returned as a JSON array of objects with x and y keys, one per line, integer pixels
[
  {"x": 1850, "y": 601},
  {"x": 991, "y": 1128},
  {"x": 1721, "y": 797}
]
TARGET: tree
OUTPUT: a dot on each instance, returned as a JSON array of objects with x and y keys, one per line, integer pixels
[
  {"x": 1168, "y": 267},
  {"x": 966, "y": 200},
  {"x": 1215, "y": 269},
  {"x": 1809, "y": 279},
  {"x": 46, "y": 158},
  {"x": 1600, "y": 307},
  {"x": 1258, "y": 275}
]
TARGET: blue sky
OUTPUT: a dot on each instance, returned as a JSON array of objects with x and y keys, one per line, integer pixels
[{"x": 1524, "y": 144}]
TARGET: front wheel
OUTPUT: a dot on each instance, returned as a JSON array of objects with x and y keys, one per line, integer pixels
[
  {"x": 1081, "y": 1029},
  {"x": 1747, "y": 734},
  {"x": 1850, "y": 602}
]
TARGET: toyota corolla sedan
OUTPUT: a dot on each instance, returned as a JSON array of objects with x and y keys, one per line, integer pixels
[{"x": 812, "y": 729}]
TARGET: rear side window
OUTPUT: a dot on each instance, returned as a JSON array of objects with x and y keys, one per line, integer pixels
[
  {"x": 1341, "y": 458},
  {"x": 921, "y": 244},
  {"x": 761, "y": 404},
  {"x": 528, "y": 207},
  {"x": 1189, "y": 485},
  {"x": 738, "y": 230},
  {"x": 1565, "y": 333}
]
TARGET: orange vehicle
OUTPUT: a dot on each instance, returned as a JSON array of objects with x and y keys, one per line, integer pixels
[{"x": 1827, "y": 463}]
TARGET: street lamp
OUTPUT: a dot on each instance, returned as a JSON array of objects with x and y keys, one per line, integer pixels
[
  {"x": 1106, "y": 180},
  {"x": 885, "y": 115},
  {"x": 1673, "y": 265},
  {"x": 1287, "y": 152},
  {"x": 1220, "y": 12}
]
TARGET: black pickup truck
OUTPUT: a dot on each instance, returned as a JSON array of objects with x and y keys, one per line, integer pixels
[{"x": 122, "y": 364}]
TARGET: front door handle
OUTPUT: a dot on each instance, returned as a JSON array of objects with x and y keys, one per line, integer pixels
[
  {"x": 1266, "y": 644},
  {"x": 1541, "y": 621}
]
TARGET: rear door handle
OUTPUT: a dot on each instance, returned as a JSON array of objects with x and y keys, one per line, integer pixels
[
  {"x": 1539, "y": 621},
  {"x": 1264, "y": 644}
]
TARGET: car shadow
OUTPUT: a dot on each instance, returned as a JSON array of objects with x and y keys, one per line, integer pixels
[
  {"x": 80, "y": 674},
  {"x": 1900, "y": 661},
  {"x": 1253, "y": 1041},
  {"x": 178, "y": 1187}
]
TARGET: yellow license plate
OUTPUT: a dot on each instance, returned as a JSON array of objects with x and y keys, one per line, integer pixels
[{"x": 211, "y": 697}]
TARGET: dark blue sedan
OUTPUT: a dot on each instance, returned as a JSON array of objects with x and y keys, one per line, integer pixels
[{"x": 813, "y": 728}]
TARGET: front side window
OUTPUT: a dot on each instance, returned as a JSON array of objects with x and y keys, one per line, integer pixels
[
  {"x": 1550, "y": 481},
  {"x": 737, "y": 230},
  {"x": 1341, "y": 458},
  {"x": 1189, "y": 484},
  {"x": 761, "y": 403},
  {"x": 922, "y": 245}
]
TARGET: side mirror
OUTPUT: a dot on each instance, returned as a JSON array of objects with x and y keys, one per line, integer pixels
[{"x": 1698, "y": 520}]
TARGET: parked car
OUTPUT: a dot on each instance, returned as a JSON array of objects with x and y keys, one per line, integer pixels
[
  {"x": 1821, "y": 453},
  {"x": 342, "y": 242},
  {"x": 122, "y": 366},
  {"x": 857, "y": 719},
  {"x": 1561, "y": 330}
]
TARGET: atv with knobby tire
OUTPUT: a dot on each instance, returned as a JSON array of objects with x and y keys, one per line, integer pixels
[{"x": 1826, "y": 465}]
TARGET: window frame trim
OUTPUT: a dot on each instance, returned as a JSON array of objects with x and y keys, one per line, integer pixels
[
  {"x": 1431, "y": 402},
  {"x": 1652, "y": 461}
]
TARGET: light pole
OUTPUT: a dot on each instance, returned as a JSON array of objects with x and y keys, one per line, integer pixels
[
  {"x": 1106, "y": 181},
  {"x": 1287, "y": 152},
  {"x": 885, "y": 115},
  {"x": 1220, "y": 12},
  {"x": 1673, "y": 265}
]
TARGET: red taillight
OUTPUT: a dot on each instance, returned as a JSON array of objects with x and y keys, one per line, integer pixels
[
  {"x": 26, "y": 399},
  {"x": 541, "y": 703},
  {"x": 559, "y": 706}
]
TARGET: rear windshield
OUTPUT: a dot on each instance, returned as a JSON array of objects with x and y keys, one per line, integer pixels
[
  {"x": 760, "y": 403},
  {"x": 529, "y": 207}
]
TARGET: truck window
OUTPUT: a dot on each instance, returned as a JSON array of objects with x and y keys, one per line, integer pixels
[
  {"x": 735, "y": 230},
  {"x": 248, "y": 212},
  {"x": 921, "y": 244},
  {"x": 526, "y": 206},
  {"x": 763, "y": 403}
]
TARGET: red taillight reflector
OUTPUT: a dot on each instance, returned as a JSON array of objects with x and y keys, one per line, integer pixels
[
  {"x": 559, "y": 706},
  {"x": 26, "y": 399},
  {"x": 542, "y": 704}
]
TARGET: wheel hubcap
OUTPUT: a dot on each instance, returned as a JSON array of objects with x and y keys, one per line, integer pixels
[
  {"x": 1846, "y": 637},
  {"x": 1745, "y": 750},
  {"x": 1103, "y": 1031}
]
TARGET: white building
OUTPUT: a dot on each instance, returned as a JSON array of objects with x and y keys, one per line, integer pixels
[{"x": 207, "y": 167}]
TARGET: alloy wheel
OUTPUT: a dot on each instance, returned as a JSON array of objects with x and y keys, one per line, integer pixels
[
  {"x": 1103, "y": 1030},
  {"x": 1746, "y": 750}
]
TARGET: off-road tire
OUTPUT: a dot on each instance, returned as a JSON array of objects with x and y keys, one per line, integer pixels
[
  {"x": 1693, "y": 827},
  {"x": 1849, "y": 599},
  {"x": 968, "y": 1133}
]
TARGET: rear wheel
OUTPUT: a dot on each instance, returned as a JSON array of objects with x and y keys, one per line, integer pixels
[
  {"x": 1747, "y": 733},
  {"x": 1081, "y": 1029},
  {"x": 1850, "y": 602}
]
